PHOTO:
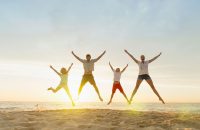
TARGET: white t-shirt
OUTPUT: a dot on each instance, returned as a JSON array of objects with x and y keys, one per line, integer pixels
[
  {"x": 117, "y": 76},
  {"x": 64, "y": 78},
  {"x": 143, "y": 67},
  {"x": 88, "y": 66}
]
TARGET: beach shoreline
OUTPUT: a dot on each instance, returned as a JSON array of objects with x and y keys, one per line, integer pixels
[{"x": 98, "y": 119}]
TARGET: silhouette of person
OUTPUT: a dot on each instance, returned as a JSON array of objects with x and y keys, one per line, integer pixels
[
  {"x": 64, "y": 81},
  {"x": 88, "y": 65},
  {"x": 144, "y": 74},
  {"x": 117, "y": 84}
]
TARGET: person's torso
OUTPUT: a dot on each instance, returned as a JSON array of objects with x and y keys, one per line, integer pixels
[
  {"x": 117, "y": 76},
  {"x": 143, "y": 67},
  {"x": 64, "y": 78},
  {"x": 88, "y": 66}
]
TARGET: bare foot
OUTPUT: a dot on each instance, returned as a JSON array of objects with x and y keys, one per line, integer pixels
[
  {"x": 162, "y": 101},
  {"x": 73, "y": 104},
  {"x": 50, "y": 88},
  {"x": 101, "y": 99},
  {"x": 109, "y": 103}
]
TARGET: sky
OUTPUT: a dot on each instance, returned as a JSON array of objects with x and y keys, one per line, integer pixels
[{"x": 37, "y": 33}]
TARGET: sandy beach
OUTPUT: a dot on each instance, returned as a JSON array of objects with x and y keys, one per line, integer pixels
[{"x": 98, "y": 119}]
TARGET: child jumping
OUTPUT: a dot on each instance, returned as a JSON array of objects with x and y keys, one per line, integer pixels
[
  {"x": 116, "y": 84},
  {"x": 63, "y": 83}
]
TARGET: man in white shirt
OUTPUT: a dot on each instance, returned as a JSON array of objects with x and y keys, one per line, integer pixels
[
  {"x": 144, "y": 74},
  {"x": 88, "y": 65},
  {"x": 117, "y": 84}
]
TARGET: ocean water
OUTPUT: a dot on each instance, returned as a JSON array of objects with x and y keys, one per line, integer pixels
[{"x": 40, "y": 106}]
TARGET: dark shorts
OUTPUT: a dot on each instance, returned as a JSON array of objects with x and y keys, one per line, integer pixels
[
  {"x": 88, "y": 78},
  {"x": 117, "y": 86},
  {"x": 144, "y": 76}
]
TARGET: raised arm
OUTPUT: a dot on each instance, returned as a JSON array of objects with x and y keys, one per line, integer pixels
[
  {"x": 55, "y": 70},
  {"x": 111, "y": 66},
  {"x": 155, "y": 58},
  {"x": 131, "y": 56},
  {"x": 124, "y": 68},
  {"x": 70, "y": 67},
  {"x": 81, "y": 60},
  {"x": 99, "y": 56}
]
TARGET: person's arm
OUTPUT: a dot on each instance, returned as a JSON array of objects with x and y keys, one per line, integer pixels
[
  {"x": 70, "y": 67},
  {"x": 55, "y": 70},
  {"x": 99, "y": 56},
  {"x": 124, "y": 68},
  {"x": 154, "y": 58},
  {"x": 111, "y": 66},
  {"x": 81, "y": 60},
  {"x": 131, "y": 56}
]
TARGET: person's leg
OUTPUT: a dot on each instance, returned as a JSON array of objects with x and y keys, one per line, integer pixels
[
  {"x": 56, "y": 89},
  {"x": 83, "y": 82},
  {"x": 139, "y": 81},
  {"x": 69, "y": 94},
  {"x": 111, "y": 97},
  {"x": 123, "y": 93},
  {"x": 93, "y": 83},
  {"x": 126, "y": 98},
  {"x": 113, "y": 92},
  {"x": 150, "y": 82}
]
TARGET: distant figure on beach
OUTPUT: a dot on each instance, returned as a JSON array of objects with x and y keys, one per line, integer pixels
[
  {"x": 88, "y": 65},
  {"x": 144, "y": 74},
  {"x": 117, "y": 85},
  {"x": 64, "y": 81}
]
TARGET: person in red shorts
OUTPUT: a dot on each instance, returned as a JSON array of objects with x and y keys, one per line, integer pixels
[{"x": 116, "y": 84}]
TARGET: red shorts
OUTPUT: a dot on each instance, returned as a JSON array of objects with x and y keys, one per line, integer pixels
[{"x": 117, "y": 86}]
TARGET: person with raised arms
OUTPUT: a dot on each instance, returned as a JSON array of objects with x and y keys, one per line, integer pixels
[
  {"x": 144, "y": 74},
  {"x": 63, "y": 74},
  {"x": 117, "y": 85},
  {"x": 88, "y": 65}
]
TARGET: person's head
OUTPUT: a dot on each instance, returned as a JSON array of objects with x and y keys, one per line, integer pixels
[
  {"x": 63, "y": 71},
  {"x": 117, "y": 70},
  {"x": 142, "y": 57},
  {"x": 88, "y": 57}
]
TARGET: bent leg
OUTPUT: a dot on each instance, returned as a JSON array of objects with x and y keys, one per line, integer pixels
[
  {"x": 150, "y": 82},
  {"x": 56, "y": 89},
  {"x": 139, "y": 81}
]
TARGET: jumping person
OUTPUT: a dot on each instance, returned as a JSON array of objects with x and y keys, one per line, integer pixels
[
  {"x": 116, "y": 84},
  {"x": 63, "y": 83},
  {"x": 144, "y": 74},
  {"x": 88, "y": 65}
]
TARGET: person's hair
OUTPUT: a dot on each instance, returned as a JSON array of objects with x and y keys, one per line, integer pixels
[
  {"x": 118, "y": 69},
  {"x": 88, "y": 55},
  {"x": 63, "y": 71}
]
